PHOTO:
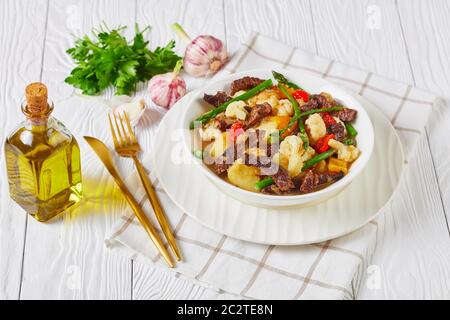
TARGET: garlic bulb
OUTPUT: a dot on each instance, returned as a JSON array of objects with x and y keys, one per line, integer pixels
[
  {"x": 204, "y": 55},
  {"x": 166, "y": 89}
]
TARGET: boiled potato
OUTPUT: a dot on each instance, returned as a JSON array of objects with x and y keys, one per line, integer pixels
[
  {"x": 220, "y": 145},
  {"x": 273, "y": 123},
  {"x": 269, "y": 95},
  {"x": 243, "y": 176}
]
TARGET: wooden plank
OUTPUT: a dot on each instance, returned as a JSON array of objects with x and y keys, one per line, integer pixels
[
  {"x": 157, "y": 284},
  {"x": 425, "y": 26},
  {"x": 289, "y": 21},
  {"x": 67, "y": 259},
  {"x": 22, "y": 34},
  {"x": 416, "y": 210},
  {"x": 364, "y": 34},
  {"x": 413, "y": 252}
]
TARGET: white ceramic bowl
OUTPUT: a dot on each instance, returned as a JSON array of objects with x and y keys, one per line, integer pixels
[{"x": 310, "y": 83}]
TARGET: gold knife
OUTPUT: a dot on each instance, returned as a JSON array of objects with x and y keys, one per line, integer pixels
[{"x": 103, "y": 153}]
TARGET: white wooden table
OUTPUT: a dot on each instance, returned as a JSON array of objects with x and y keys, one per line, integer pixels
[{"x": 405, "y": 40}]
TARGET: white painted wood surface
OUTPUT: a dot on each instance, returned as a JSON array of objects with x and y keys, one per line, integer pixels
[{"x": 67, "y": 259}]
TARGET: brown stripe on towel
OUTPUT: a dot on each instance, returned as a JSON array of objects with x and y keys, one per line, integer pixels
[
  {"x": 286, "y": 63},
  {"x": 311, "y": 270},
  {"x": 241, "y": 59},
  {"x": 327, "y": 71},
  {"x": 408, "y": 130},
  {"x": 365, "y": 83},
  {"x": 402, "y": 103},
  {"x": 258, "y": 270},
  {"x": 343, "y": 250},
  {"x": 212, "y": 257}
]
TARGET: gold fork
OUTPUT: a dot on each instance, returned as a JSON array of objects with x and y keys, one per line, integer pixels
[{"x": 126, "y": 145}]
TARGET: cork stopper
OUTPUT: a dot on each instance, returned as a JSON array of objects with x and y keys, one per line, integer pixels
[{"x": 37, "y": 99}]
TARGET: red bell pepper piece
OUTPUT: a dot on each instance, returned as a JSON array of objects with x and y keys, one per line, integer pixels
[
  {"x": 322, "y": 144},
  {"x": 236, "y": 129},
  {"x": 328, "y": 119},
  {"x": 300, "y": 94}
]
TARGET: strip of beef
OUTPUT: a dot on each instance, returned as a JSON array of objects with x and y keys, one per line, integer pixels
[
  {"x": 220, "y": 168},
  {"x": 316, "y": 101},
  {"x": 244, "y": 83},
  {"x": 338, "y": 130},
  {"x": 217, "y": 99},
  {"x": 272, "y": 189},
  {"x": 257, "y": 113},
  {"x": 222, "y": 123},
  {"x": 346, "y": 114},
  {"x": 313, "y": 180},
  {"x": 307, "y": 185},
  {"x": 327, "y": 177},
  {"x": 282, "y": 180},
  {"x": 221, "y": 164}
]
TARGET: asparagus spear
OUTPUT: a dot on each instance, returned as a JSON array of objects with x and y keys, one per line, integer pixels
[
  {"x": 282, "y": 79},
  {"x": 247, "y": 95},
  {"x": 316, "y": 159},
  {"x": 264, "y": 183},
  {"x": 350, "y": 129},
  {"x": 296, "y": 117}
]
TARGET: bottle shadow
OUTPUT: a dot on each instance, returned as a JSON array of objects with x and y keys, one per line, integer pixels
[{"x": 99, "y": 199}]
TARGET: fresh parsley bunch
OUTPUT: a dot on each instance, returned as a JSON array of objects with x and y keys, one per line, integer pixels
[{"x": 111, "y": 59}]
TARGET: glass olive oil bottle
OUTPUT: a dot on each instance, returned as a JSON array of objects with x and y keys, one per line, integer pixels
[{"x": 42, "y": 159}]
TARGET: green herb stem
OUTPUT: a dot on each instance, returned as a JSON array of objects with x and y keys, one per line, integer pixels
[
  {"x": 178, "y": 66},
  {"x": 110, "y": 59},
  {"x": 181, "y": 33}
]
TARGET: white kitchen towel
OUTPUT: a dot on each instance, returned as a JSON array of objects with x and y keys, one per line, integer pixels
[{"x": 328, "y": 270}]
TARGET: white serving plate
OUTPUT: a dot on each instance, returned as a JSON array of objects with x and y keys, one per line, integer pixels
[
  {"x": 196, "y": 107},
  {"x": 355, "y": 206}
]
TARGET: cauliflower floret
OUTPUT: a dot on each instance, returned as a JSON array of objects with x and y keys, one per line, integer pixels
[
  {"x": 316, "y": 127},
  {"x": 281, "y": 160},
  {"x": 285, "y": 108},
  {"x": 236, "y": 110},
  {"x": 292, "y": 155},
  {"x": 270, "y": 96},
  {"x": 291, "y": 145},
  {"x": 308, "y": 154},
  {"x": 344, "y": 152},
  {"x": 210, "y": 133},
  {"x": 237, "y": 94}
]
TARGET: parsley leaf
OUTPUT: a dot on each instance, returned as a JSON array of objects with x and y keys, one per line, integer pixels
[{"x": 109, "y": 59}]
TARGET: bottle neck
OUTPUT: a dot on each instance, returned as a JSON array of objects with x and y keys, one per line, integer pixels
[{"x": 37, "y": 119}]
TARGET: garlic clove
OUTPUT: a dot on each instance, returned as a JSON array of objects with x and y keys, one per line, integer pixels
[{"x": 134, "y": 109}]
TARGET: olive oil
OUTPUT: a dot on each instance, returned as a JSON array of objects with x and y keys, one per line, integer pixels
[{"x": 43, "y": 160}]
